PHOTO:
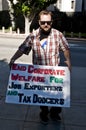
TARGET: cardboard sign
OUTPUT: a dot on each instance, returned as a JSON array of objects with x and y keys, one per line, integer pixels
[{"x": 39, "y": 85}]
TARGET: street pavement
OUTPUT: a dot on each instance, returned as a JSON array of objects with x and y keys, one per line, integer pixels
[{"x": 26, "y": 117}]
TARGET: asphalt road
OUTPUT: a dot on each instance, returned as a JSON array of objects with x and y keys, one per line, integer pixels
[{"x": 78, "y": 53}]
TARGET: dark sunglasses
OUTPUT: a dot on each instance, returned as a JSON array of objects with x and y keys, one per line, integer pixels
[{"x": 43, "y": 22}]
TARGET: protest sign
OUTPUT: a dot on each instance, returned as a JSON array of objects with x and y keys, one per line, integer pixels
[{"x": 39, "y": 85}]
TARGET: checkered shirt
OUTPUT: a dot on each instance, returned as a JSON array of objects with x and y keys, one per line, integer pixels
[{"x": 48, "y": 55}]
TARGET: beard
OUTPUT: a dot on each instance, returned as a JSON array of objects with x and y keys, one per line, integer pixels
[{"x": 45, "y": 30}]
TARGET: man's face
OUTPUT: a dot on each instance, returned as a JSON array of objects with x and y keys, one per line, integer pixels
[{"x": 45, "y": 22}]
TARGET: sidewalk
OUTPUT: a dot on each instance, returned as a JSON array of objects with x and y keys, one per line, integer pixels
[{"x": 23, "y": 117}]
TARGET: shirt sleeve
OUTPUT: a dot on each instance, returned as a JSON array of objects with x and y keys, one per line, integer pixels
[
  {"x": 26, "y": 46},
  {"x": 63, "y": 43}
]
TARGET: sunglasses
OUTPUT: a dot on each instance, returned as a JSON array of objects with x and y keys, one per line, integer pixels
[{"x": 43, "y": 22}]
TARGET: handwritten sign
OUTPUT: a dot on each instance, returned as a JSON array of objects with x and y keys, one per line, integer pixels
[{"x": 39, "y": 85}]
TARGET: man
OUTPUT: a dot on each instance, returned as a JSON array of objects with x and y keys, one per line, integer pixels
[{"x": 45, "y": 43}]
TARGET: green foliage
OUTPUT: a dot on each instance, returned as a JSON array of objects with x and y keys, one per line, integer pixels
[
  {"x": 30, "y": 7},
  {"x": 25, "y": 9}
]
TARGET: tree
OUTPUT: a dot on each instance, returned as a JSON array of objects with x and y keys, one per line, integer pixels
[{"x": 29, "y": 8}]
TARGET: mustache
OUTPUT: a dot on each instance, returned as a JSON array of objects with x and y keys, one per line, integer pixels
[{"x": 45, "y": 26}]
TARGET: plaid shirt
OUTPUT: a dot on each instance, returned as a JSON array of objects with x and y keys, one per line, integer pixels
[{"x": 49, "y": 55}]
